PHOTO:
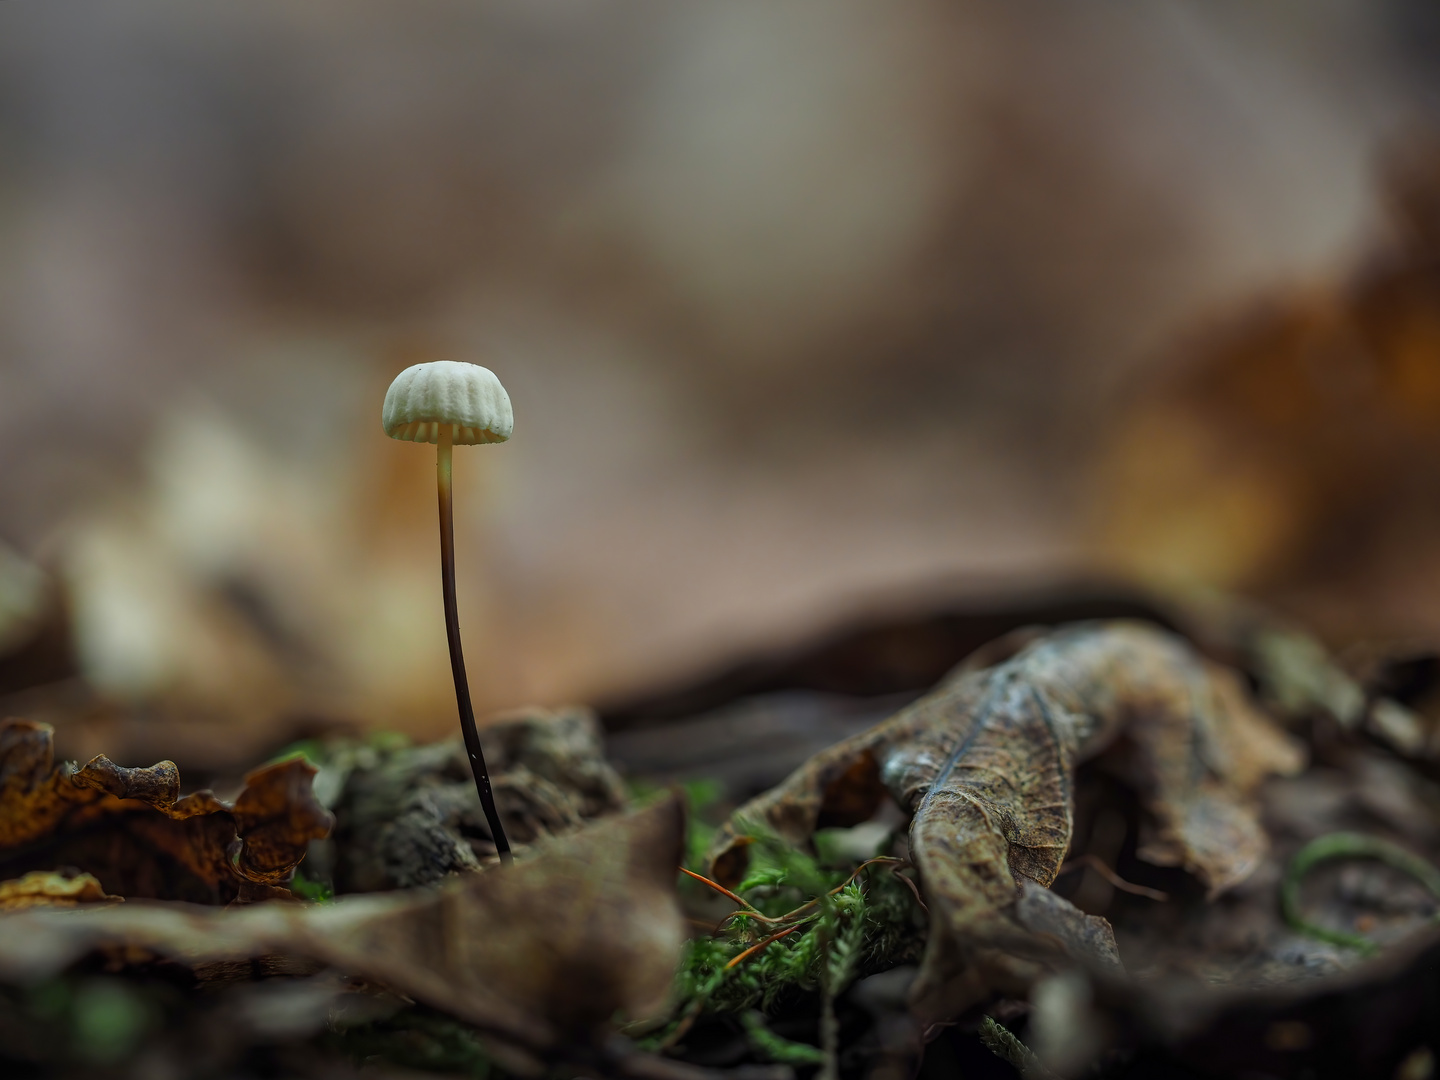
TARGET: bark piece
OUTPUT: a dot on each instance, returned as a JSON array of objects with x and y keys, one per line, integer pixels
[{"x": 410, "y": 816}]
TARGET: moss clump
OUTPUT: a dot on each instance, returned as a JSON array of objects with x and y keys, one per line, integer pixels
[
  {"x": 808, "y": 928},
  {"x": 420, "y": 1039}
]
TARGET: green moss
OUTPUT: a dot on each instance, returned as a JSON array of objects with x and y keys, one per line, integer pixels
[
  {"x": 701, "y": 798},
  {"x": 310, "y": 750},
  {"x": 317, "y": 892},
  {"x": 781, "y": 1050},
  {"x": 417, "y": 1038},
  {"x": 108, "y": 1019},
  {"x": 321, "y": 752},
  {"x": 839, "y": 929}
]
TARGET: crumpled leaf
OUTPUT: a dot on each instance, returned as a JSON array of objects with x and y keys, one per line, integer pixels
[
  {"x": 103, "y": 817},
  {"x": 46, "y": 888},
  {"x": 541, "y": 953},
  {"x": 985, "y": 766}
]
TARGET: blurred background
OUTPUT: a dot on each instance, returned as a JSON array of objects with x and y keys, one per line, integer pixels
[{"x": 806, "y": 310}]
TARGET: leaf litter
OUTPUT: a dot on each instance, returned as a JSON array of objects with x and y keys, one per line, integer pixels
[
  {"x": 984, "y": 766},
  {"x": 139, "y": 836},
  {"x": 540, "y": 954},
  {"x": 1007, "y": 772}
]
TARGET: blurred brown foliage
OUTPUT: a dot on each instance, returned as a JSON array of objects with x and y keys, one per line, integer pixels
[
  {"x": 798, "y": 307},
  {"x": 1296, "y": 454}
]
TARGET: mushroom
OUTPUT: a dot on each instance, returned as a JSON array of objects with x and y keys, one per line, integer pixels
[{"x": 450, "y": 403}]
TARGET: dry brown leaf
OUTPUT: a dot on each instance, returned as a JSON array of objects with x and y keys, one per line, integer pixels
[
  {"x": 138, "y": 835},
  {"x": 47, "y": 888},
  {"x": 985, "y": 765},
  {"x": 544, "y": 952}
]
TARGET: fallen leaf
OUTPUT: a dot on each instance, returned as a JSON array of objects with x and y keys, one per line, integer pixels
[
  {"x": 985, "y": 766},
  {"x": 46, "y": 888},
  {"x": 133, "y": 830},
  {"x": 543, "y": 953}
]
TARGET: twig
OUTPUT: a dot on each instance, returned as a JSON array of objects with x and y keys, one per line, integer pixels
[
  {"x": 1098, "y": 865},
  {"x": 721, "y": 890},
  {"x": 805, "y": 907},
  {"x": 753, "y": 949},
  {"x": 693, "y": 1009},
  {"x": 1001, "y": 1042},
  {"x": 1347, "y": 845},
  {"x": 798, "y": 918},
  {"x": 684, "y": 1024},
  {"x": 914, "y": 891}
]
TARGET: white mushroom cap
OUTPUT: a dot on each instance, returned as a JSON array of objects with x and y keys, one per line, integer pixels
[{"x": 467, "y": 397}]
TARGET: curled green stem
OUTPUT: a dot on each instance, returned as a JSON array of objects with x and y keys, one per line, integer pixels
[{"x": 1347, "y": 845}]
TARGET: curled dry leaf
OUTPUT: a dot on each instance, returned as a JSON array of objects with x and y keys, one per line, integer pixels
[
  {"x": 45, "y": 888},
  {"x": 985, "y": 766},
  {"x": 133, "y": 830},
  {"x": 543, "y": 953}
]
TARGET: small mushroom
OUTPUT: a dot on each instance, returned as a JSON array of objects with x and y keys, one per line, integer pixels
[{"x": 450, "y": 403}]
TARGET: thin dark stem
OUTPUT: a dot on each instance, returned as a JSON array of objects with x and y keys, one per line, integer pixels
[{"x": 457, "y": 658}]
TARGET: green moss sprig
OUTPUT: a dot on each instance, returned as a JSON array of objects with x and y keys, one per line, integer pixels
[{"x": 798, "y": 927}]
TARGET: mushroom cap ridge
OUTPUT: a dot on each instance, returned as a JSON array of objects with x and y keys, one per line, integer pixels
[{"x": 467, "y": 397}]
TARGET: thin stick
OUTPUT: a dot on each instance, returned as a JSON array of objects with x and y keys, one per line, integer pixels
[
  {"x": 693, "y": 1009},
  {"x": 879, "y": 860},
  {"x": 1098, "y": 865},
  {"x": 776, "y": 920},
  {"x": 915, "y": 892},
  {"x": 457, "y": 658},
  {"x": 753, "y": 949},
  {"x": 718, "y": 888},
  {"x": 684, "y": 1024}
]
